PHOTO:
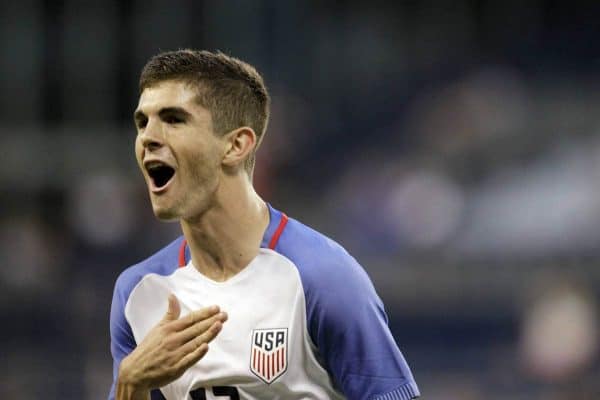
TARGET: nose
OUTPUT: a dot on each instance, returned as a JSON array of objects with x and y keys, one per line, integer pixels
[{"x": 152, "y": 137}]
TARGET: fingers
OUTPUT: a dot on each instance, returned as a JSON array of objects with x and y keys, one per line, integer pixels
[
  {"x": 175, "y": 344},
  {"x": 197, "y": 346},
  {"x": 173, "y": 309},
  {"x": 192, "y": 358},
  {"x": 193, "y": 349},
  {"x": 198, "y": 329},
  {"x": 194, "y": 317}
]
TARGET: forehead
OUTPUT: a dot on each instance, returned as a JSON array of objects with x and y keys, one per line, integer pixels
[{"x": 169, "y": 94}]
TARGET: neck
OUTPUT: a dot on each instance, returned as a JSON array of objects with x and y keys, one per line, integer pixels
[{"x": 227, "y": 237}]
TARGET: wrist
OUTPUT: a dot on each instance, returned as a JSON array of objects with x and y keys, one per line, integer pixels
[
  {"x": 127, "y": 391},
  {"x": 124, "y": 391},
  {"x": 129, "y": 383}
]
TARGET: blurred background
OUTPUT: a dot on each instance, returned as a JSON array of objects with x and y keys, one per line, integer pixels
[{"x": 452, "y": 147}]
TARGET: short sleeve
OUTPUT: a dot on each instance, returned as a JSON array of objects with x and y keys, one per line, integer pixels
[
  {"x": 346, "y": 319},
  {"x": 121, "y": 337},
  {"x": 122, "y": 341},
  {"x": 350, "y": 328},
  {"x": 351, "y": 331}
]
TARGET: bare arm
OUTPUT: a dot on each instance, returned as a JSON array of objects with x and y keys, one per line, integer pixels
[{"x": 169, "y": 349}]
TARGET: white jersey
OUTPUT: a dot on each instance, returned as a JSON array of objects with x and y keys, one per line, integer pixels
[{"x": 304, "y": 322}]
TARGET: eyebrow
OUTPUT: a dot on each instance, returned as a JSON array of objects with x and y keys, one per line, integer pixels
[{"x": 177, "y": 111}]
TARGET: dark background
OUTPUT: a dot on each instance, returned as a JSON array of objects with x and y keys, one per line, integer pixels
[{"x": 452, "y": 147}]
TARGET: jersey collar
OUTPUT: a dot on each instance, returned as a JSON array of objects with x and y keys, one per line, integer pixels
[{"x": 277, "y": 223}]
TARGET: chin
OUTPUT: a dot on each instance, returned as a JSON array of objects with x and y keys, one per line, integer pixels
[{"x": 164, "y": 214}]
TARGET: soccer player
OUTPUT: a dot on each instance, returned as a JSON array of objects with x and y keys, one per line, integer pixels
[{"x": 248, "y": 304}]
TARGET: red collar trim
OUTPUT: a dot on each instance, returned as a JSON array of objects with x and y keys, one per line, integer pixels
[
  {"x": 182, "y": 253},
  {"x": 282, "y": 223}
]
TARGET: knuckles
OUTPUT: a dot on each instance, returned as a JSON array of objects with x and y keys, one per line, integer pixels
[{"x": 170, "y": 343}]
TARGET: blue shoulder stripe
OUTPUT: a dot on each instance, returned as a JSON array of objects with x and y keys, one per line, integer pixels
[{"x": 345, "y": 317}]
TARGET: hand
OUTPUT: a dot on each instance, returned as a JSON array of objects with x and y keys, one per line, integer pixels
[{"x": 169, "y": 349}]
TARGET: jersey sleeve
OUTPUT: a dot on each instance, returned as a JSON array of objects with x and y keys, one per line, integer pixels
[
  {"x": 346, "y": 319},
  {"x": 121, "y": 337},
  {"x": 122, "y": 341},
  {"x": 349, "y": 326}
]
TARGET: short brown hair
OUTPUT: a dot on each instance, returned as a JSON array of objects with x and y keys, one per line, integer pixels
[{"x": 232, "y": 90}]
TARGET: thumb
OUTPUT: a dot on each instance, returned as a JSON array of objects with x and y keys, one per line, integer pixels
[{"x": 173, "y": 309}]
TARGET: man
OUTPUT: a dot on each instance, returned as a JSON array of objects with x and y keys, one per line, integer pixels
[{"x": 248, "y": 304}]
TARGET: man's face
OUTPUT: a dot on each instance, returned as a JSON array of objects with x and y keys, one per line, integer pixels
[{"x": 177, "y": 151}]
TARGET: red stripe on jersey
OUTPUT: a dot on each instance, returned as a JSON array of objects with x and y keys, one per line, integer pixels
[
  {"x": 182, "y": 253},
  {"x": 280, "y": 358},
  {"x": 268, "y": 368},
  {"x": 278, "y": 232}
]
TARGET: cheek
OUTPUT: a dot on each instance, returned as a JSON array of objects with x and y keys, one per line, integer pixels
[
  {"x": 139, "y": 150},
  {"x": 204, "y": 157},
  {"x": 203, "y": 170}
]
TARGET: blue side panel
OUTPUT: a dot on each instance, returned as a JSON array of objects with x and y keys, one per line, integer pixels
[
  {"x": 121, "y": 337},
  {"x": 346, "y": 318}
]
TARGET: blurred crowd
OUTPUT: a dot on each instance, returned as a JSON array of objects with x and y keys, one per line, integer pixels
[{"x": 453, "y": 149}]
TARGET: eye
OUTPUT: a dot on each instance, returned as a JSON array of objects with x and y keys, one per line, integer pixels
[
  {"x": 141, "y": 123},
  {"x": 172, "y": 119}
]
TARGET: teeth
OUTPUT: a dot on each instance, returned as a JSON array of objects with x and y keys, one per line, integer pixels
[{"x": 154, "y": 164}]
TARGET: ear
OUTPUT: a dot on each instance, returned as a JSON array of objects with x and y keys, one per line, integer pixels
[{"x": 239, "y": 144}]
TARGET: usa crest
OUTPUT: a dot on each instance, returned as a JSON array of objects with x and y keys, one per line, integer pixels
[{"x": 268, "y": 355}]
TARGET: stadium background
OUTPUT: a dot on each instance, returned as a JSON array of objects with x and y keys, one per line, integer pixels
[{"x": 452, "y": 147}]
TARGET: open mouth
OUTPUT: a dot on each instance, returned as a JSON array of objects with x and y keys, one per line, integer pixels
[{"x": 160, "y": 173}]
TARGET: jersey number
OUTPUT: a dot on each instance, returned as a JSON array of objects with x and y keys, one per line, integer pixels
[{"x": 200, "y": 393}]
